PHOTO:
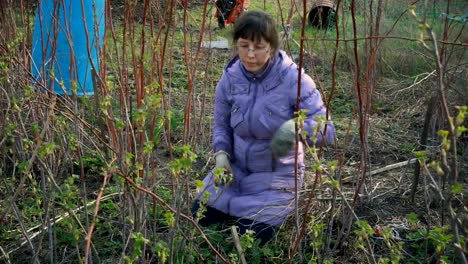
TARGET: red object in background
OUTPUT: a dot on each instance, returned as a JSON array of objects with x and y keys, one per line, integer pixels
[
  {"x": 227, "y": 11},
  {"x": 377, "y": 231}
]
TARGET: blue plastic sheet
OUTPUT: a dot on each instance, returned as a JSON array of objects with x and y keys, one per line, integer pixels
[{"x": 67, "y": 38}]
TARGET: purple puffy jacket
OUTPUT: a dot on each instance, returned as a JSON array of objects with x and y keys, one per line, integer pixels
[{"x": 248, "y": 110}]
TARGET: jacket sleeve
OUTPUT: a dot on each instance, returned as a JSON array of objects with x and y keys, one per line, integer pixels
[
  {"x": 312, "y": 102},
  {"x": 222, "y": 130}
]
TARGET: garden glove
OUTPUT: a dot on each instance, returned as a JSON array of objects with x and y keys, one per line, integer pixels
[
  {"x": 283, "y": 139},
  {"x": 222, "y": 170}
]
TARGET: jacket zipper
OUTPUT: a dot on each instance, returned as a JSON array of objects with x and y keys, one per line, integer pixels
[{"x": 250, "y": 125}]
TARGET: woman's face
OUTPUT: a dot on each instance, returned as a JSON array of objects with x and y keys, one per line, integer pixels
[{"x": 253, "y": 55}]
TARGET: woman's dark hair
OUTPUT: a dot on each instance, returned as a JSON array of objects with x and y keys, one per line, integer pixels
[{"x": 255, "y": 25}]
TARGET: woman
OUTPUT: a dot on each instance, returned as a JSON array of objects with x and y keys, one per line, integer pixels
[{"x": 254, "y": 132}]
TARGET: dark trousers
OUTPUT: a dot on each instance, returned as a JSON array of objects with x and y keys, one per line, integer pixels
[{"x": 263, "y": 231}]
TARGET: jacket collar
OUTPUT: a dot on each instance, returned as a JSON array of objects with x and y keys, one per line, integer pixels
[{"x": 270, "y": 77}]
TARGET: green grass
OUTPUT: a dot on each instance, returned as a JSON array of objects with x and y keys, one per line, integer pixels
[{"x": 400, "y": 55}]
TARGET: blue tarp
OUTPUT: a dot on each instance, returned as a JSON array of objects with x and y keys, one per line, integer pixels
[
  {"x": 460, "y": 19},
  {"x": 61, "y": 48}
]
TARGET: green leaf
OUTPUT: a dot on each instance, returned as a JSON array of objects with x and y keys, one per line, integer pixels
[
  {"x": 174, "y": 166},
  {"x": 461, "y": 130},
  {"x": 46, "y": 149},
  {"x": 200, "y": 184},
  {"x": 138, "y": 180},
  {"x": 35, "y": 128},
  {"x": 457, "y": 188},
  {"x": 412, "y": 218},
  {"x": 169, "y": 219},
  {"x": 129, "y": 158},
  {"x": 22, "y": 166},
  {"x": 461, "y": 114},
  {"x": 317, "y": 167},
  {"x": 119, "y": 123},
  {"x": 148, "y": 148},
  {"x": 443, "y": 133},
  {"x": 162, "y": 251},
  {"x": 336, "y": 184},
  {"x": 421, "y": 156},
  {"x": 365, "y": 230},
  {"x": 332, "y": 164}
]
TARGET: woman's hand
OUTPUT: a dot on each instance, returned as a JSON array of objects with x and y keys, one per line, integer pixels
[
  {"x": 284, "y": 139},
  {"x": 222, "y": 170},
  {"x": 222, "y": 161}
]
